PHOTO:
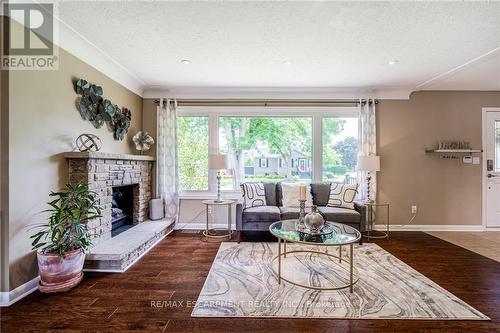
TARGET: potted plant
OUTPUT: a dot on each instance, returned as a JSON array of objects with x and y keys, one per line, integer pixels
[{"x": 62, "y": 242}]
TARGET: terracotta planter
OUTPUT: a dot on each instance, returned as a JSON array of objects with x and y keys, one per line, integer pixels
[{"x": 59, "y": 274}]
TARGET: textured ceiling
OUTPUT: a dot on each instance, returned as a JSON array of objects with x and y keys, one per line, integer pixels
[{"x": 332, "y": 44}]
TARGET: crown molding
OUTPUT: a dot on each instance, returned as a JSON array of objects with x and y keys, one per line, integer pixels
[
  {"x": 67, "y": 38},
  {"x": 427, "y": 85},
  {"x": 72, "y": 41},
  {"x": 278, "y": 93},
  {"x": 76, "y": 44}
]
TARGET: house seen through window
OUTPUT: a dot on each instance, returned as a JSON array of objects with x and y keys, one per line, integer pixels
[{"x": 265, "y": 149}]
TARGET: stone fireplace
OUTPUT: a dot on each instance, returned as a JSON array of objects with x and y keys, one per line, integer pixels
[{"x": 102, "y": 172}]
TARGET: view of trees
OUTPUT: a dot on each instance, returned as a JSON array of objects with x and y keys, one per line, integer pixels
[
  {"x": 192, "y": 138},
  {"x": 245, "y": 138},
  {"x": 348, "y": 151},
  {"x": 266, "y": 135}
]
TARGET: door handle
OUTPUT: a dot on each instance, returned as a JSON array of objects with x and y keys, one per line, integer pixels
[{"x": 491, "y": 175}]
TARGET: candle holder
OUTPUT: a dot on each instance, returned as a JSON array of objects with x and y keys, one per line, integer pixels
[{"x": 302, "y": 211}]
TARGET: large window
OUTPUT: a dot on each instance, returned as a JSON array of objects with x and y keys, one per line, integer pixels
[
  {"x": 340, "y": 149},
  {"x": 266, "y": 149},
  {"x": 271, "y": 144},
  {"x": 192, "y": 136}
]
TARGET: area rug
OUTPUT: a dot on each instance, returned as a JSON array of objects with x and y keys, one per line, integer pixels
[{"x": 241, "y": 283}]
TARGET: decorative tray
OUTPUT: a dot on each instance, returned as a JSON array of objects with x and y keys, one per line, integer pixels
[{"x": 325, "y": 230}]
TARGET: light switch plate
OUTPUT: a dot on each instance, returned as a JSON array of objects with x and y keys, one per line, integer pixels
[
  {"x": 467, "y": 159},
  {"x": 476, "y": 160}
]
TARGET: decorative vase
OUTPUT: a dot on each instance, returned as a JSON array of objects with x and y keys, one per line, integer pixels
[
  {"x": 313, "y": 220},
  {"x": 59, "y": 274}
]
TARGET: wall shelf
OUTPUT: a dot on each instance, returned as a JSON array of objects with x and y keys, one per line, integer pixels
[{"x": 453, "y": 151}]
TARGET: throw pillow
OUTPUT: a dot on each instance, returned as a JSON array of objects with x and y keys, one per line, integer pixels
[
  {"x": 342, "y": 195},
  {"x": 254, "y": 194},
  {"x": 291, "y": 194}
]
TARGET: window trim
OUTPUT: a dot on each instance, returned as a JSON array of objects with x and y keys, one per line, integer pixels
[{"x": 213, "y": 113}]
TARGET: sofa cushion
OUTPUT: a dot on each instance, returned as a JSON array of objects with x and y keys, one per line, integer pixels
[
  {"x": 291, "y": 213},
  {"x": 291, "y": 194},
  {"x": 253, "y": 194},
  {"x": 270, "y": 189},
  {"x": 342, "y": 195},
  {"x": 279, "y": 195},
  {"x": 320, "y": 193},
  {"x": 261, "y": 214},
  {"x": 338, "y": 214}
]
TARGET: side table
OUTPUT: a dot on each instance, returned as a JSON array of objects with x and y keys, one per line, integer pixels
[
  {"x": 371, "y": 219},
  {"x": 207, "y": 232}
]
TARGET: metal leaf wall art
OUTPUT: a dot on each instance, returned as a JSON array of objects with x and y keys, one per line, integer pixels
[{"x": 96, "y": 109}]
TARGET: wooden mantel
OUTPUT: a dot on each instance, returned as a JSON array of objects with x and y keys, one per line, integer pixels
[{"x": 108, "y": 156}]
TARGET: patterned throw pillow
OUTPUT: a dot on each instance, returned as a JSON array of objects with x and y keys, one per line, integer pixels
[
  {"x": 254, "y": 194},
  {"x": 291, "y": 195},
  {"x": 342, "y": 195}
]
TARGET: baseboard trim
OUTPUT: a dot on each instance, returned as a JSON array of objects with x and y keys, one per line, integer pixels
[
  {"x": 202, "y": 226},
  {"x": 393, "y": 227},
  {"x": 11, "y": 297},
  {"x": 430, "y": 227}
]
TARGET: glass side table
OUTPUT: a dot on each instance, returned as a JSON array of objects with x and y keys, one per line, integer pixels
[
  {"x": 211, "y": 233},
  {"x": 372, "y": 211}
]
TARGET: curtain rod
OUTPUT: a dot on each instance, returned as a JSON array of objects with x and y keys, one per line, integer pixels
[{"x": 271, "y": 102}]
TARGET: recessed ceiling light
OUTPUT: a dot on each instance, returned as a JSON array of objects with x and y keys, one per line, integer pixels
[
  {"x": 288, "y": 62},
  {"x": 393, "y": 62},
  {"x": 185, "y": 62}
]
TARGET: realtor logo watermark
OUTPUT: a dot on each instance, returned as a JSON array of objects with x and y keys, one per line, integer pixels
[{"x": 29, "y": 36}]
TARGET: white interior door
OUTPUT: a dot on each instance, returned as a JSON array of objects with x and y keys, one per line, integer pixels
[{"x": 492, "y": 167}]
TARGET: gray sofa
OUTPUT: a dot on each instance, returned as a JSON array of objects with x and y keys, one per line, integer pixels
[{"x": 260, "y": 218}]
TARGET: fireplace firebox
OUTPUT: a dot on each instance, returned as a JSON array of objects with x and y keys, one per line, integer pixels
[{"x": 122, "y": 209}]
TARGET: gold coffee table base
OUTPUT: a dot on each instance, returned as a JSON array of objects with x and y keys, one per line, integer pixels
[{"x": 353, "y": 271}]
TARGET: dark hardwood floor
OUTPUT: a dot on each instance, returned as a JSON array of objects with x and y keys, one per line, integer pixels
[{"x": 176, "y": 269}]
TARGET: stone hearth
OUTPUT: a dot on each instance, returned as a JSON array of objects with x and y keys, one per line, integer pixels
[{"x": 101, "y": 172}]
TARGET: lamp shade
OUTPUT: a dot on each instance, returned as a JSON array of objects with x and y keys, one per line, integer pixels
[
  {"x": 217, "y": 162},
  {"x": 369, "y": 163}
]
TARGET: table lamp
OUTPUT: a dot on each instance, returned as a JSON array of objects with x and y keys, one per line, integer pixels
[
  {"x": 218, "y": 162},
  {"x": 369, "y": 164}
]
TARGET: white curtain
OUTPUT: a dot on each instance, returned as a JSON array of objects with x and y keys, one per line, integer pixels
[
  {"x": 367, "y": 145},
  {"x": 167, "y": 177}
]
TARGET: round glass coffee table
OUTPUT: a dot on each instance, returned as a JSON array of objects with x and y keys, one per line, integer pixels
[{"x": 332, "y": 234}]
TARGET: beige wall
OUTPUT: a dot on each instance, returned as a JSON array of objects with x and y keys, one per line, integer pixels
[
  {"x": 44, "y": 123},
  {"x": 4, "y": 178},
  {"x": 447, "y": 192},
  {"x": 149, "y": 125},
  {"x": 149, "y": 121}
]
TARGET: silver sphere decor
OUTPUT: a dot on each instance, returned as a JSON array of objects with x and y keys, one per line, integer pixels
[
  {"x": 88, "y": 142},
  {"x": 314, "y": 221},
  {"x": 143, "y": 141}
]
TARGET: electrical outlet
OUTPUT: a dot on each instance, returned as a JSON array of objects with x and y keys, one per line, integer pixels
[
  {"x": 414, "y": 209},
  {"x": 209, "y": 209}
]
